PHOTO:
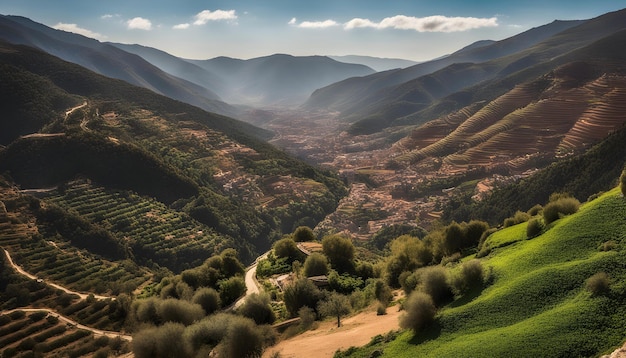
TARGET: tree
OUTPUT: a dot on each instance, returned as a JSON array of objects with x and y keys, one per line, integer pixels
[
  {"x": 287, "y": 248},
  {"x": 419, "y": 312},
  {"x": 340, "y": 252},
  {"x": 299, "y": 294},
  {"x": 257, "y": 306},
  {"x": 208, "y": 298},
  {"x": 303, "y": 233},
  {"x": 315, "y": 265},
  {"x": 231, "y": 265},
  {"x": 244, "y": 339},
  {"x": 231, "y": 289},
  {"x": 434, "y": 281},
  {"x": 336, "y": 305}
]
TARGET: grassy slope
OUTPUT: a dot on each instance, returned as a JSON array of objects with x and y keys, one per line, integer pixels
[{"x": 536, "y": 305}]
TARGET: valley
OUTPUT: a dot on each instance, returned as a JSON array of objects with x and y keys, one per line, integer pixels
[{"x": 288, "y": 206}]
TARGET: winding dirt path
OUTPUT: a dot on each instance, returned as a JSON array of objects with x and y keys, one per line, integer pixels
[
  {"x": 21, "y": 271},
  {"x": 324, "y": 341},
  {"x": 98, "y": 332}
]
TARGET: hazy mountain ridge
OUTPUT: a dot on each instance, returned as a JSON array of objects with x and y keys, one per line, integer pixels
[
  {"x": 377, "y": 63},
  {"x": 109, "y": 61},
  {"x": 278, "y": 79},
  {"x": 349, "y": 97}
]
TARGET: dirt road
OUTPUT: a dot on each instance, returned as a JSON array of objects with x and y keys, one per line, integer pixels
[
  {"x": 252, "y": 286},
  {"x": 97, "y": 332},
  {"x": 357, "y": 330},
  {"x": 21, "y": 271}
]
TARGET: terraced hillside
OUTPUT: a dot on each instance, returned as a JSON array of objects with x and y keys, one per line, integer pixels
[
  {"x": 49, "y": 255},
  {"x": 40, "y": 333},
  {"x": 552, "y": 116}
]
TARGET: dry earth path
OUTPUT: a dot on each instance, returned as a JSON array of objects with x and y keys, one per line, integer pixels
[
  {"x": 21, "y": 271},
  {"x": 324, "y": 341},
  {"x": 98, "y": 332},
  {"x": 252, "y": 285}
]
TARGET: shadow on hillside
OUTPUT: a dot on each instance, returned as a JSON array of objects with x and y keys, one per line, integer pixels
[
  {"x": 431, "y": 333},
  {"x": 467, "y": 297}
]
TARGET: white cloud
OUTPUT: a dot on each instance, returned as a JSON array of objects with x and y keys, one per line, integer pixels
[
  {"x": 435, "y": 23},
  {"x": 293, "y": 21},
  {"x": 205, "y": 16},
  {"x": 139, "y": 23},
  {"x": 78, "y": 30},
  {"x": 317, "y": 24},
  {"x": 180, "y": 26},
  {"x": 106, "y": 16}
]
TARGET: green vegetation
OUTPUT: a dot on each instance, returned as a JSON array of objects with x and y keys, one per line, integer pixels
[
  {"x": 596, "y": 171},
  {"x": 553, "y": 290},
  {"x": 420, "y": 312},
  {"x": 335, "y": 305}
]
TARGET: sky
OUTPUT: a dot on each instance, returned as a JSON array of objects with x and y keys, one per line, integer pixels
[{"x": 409, "y": 29}]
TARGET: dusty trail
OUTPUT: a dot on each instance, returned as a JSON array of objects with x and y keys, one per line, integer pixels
[
  {"x": 21, "y": 271},
  {"x": 98, "y": 332},
  {"x": 324, "y": 341}
]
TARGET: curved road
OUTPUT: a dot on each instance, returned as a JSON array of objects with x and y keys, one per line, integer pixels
[
  {"x": 21, "y": 271},
  {"x": 98, "y": 332},
  {"x": 252, "y": 286}
]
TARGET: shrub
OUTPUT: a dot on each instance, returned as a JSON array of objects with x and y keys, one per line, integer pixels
[
  {"x": 303, "y": 233},
  {"x": 208, "y": 299},
  {"x": 173, "y": 310},
  {"x": 534, "y": 228},
  {"x": 434, "y": 282},
  {"x": 316, "y": 264},
  {"x": 257, "y": 307},
  {"x": 299, "y": 294},
  {"x": 471, "y": 276},
  {"x": 307, "y": 317},
  {"x": 163, "y": 341},
  {"x": 419, "y": 312},
  {"x": 243, "y": 339},
  {"x": 209, "y": 331},
  {"x": 598, "y": 284},
  {"x": 382, "y": 292},
  {"x": 381, "y": 310},
  {"x": 562, "y": 206},
  {"x": 535, "y": 210},
  {"x": 231, "y": 289},
  {"x": 622, "y": 182},
  {"x": 287, "y": 248}
]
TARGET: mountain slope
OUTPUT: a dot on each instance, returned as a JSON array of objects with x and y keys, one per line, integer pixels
[
  {"x": 410, "y": 98},
  {"x": 109, "y": 61},
  {"x": 350, "y": 95},
  {"x": 278, "y": 79},
  {"x": 536, "y": 302},
  {"x": 208, "y": 168},
  {"x": 178, "y": 67}
]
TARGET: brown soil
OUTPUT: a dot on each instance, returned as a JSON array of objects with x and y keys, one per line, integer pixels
[{"x": 327, "y": 338}]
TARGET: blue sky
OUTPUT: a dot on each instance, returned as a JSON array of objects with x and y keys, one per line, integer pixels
[{"x": 410, "y": 29}]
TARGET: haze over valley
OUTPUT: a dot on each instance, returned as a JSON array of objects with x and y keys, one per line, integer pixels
[{"x": 419, "y": 198}]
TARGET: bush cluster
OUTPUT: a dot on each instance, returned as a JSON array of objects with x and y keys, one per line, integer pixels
[{"x": 558, "y": 207}]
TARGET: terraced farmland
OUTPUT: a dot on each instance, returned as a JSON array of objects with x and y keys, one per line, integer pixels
[
  {"x": 24, "y": 334},
  {"x": 149, "y": 228},
  {"x": 52, "y": 258},
  {"x": 541, "y": 119}
]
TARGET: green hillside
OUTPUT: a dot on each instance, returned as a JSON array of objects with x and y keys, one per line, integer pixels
[
  {"x": 536, "y": 304},
  {"x": 209, "y": 170}
]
